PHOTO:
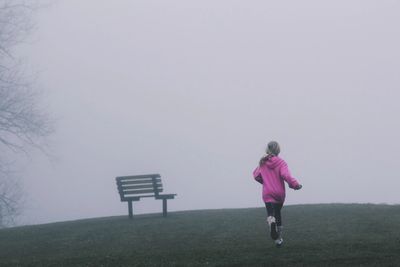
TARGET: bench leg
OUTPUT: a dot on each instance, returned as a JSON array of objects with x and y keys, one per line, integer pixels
[
  {"x": 130, "y": 209},
  {"x": 164, "y": 207}
]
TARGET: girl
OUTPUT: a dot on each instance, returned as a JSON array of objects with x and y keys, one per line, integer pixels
[{"x": 271, "y": 172}]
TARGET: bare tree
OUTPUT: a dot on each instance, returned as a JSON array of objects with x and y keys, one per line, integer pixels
[
  {"x": 10, "y": 197},
  {"x": 22, "y": 123}
]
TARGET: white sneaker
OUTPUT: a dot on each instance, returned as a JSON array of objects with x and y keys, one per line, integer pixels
[{"x": 279, "y": 242}]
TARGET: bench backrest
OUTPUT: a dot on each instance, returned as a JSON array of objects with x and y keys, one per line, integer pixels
[{"x": 147, "y": 185}]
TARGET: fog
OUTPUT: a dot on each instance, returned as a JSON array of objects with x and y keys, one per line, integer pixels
[{"x": 194, "y": 90}]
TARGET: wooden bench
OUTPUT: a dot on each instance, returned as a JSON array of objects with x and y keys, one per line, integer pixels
[{"x": 133, "y": 188}]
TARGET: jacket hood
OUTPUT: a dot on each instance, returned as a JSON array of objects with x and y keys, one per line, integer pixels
[{"x": 274, "y": 162}]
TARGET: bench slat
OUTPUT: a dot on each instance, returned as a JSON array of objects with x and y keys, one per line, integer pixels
[
  {"x": 150, "y": 181},
  {"x": 138, "y": 180},
  {"x": 136, "y": 198},
  {"x": 133, "y": 177},
  {"x": 136, "y": 192},
  {"x": 133, "y": 187},
  {"x": 129, "y": 191}
]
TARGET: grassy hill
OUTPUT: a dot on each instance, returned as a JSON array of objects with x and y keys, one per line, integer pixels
[{"x": 315, "y": 235}]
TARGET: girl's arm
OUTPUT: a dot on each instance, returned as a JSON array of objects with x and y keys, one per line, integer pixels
[
  {"x": 257, "y": 175},
  {"x": 286, "y": 175}
]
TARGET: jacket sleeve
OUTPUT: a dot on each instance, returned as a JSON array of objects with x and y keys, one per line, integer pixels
[
  {"x": 257, "y": 175},
  {"x": 286, "y": 175}
]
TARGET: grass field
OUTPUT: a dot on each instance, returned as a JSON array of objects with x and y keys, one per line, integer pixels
[{"x": 315, "y": 235}]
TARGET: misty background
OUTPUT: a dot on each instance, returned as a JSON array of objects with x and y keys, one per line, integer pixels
[{"x": 194, "y": 90}]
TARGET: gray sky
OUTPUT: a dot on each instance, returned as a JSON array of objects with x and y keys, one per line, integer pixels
[{"x": 194, "y": 90}]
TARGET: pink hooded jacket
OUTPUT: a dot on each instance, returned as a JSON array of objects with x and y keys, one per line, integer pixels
[{"x": 273, "y": 174}]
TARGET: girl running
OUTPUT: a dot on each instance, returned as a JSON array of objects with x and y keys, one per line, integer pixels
[{"x": 271, "y": 172}]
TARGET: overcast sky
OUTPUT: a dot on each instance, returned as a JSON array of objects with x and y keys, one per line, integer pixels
[{"x": 194, "y": 90}]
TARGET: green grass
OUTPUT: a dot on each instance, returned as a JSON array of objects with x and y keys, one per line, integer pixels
[{"x": 315, "y": 235}]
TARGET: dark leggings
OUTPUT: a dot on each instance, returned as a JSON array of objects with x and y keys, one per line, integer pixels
[{"x": 274, "y": 209}]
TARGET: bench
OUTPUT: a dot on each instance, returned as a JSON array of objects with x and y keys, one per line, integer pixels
[{"x": 133, "y": 188}]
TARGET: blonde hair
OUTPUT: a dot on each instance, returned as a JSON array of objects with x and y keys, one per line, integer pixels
[{"x": 273, "y": 148}]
